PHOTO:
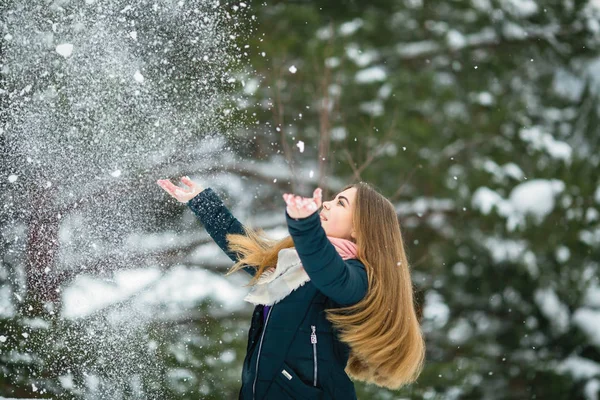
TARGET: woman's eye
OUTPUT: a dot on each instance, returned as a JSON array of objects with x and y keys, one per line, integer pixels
[{"x": 340, "y": 202}]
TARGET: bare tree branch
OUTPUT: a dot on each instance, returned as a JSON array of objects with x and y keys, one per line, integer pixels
[{"x": 372, "y": 154}]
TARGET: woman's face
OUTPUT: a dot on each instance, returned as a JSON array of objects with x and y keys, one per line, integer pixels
[{"x": 336, "y": 215}]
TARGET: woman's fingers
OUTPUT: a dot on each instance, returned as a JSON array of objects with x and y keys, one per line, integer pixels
[
  {"x": 188, "y": 182},
  {"x": 178, "y": 193},
  {"x": 318, "y": 197},
  {"x": 185, "y": 194},
  {"x": 289, "y": 200},
  {"x": 167, "y": 186},
  {"x": 301, "y": 205}
]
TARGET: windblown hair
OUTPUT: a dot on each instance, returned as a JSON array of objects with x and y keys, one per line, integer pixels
[{"x": 382, "y": 330}]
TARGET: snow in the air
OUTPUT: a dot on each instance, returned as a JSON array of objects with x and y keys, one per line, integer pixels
[
  {"x": 177, "y": 289},
  {"x": 300, "y": 146},
  {"x": 138, "y": 77},
  {"x": 293, "y": 69},
  {"x": 65, "y": 49}
]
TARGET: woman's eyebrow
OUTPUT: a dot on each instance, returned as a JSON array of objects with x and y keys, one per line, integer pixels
[{"x": 343, "y": 197}]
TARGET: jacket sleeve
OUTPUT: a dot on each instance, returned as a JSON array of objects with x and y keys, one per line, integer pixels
[
  {"x": 218, "y": 221},
  {"x": 344, "y": 282}
]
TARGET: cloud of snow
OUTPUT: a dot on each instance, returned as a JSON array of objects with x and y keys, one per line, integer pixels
[{"x": 65, "y": 49}]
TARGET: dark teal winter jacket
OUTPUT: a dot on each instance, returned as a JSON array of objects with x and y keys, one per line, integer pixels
[{"x": 282, "y": 360}]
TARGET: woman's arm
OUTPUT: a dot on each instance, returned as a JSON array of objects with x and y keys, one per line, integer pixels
[
  {"x": 344, "y": 282},
  {"x": 211, "y": 211},
  {"x": 218, "y": 221}
]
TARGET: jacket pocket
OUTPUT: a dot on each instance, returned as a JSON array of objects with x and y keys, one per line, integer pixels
[{"x": 289, "y": 381}]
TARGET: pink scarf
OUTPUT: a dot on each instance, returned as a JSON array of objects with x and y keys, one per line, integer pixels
[{"x": 344, "y": 247}]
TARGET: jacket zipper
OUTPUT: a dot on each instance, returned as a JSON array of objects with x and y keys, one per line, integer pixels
[
  {"x": 313, "y": 340},
  {"x": 259, "y": 349}
]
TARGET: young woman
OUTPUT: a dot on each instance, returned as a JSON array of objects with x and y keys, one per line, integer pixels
[{"x": 334, "y": 300}]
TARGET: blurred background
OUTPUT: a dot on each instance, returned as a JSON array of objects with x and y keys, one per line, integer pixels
[{"x": 478, "y": 119}]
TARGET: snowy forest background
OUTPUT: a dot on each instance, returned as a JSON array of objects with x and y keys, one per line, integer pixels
[{"x": 477, "y": 118}]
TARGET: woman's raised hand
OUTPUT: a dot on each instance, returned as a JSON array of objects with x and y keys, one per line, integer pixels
[
  {"x": 182, "y": 195},
  {"x": 302, "y": 207}
]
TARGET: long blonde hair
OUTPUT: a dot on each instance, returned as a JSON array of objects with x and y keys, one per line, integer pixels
[{"x": 382, "y": 330}]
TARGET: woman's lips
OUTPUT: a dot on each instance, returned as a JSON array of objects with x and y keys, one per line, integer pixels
[{"x": 323, "y": 218}]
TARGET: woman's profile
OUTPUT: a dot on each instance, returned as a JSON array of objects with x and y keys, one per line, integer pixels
[{"x": 333, "y": 301}]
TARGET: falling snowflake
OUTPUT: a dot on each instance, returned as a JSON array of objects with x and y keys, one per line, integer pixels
[
  {"x": 65, "y": 49},
  {"x": 138, "y": 77}
]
